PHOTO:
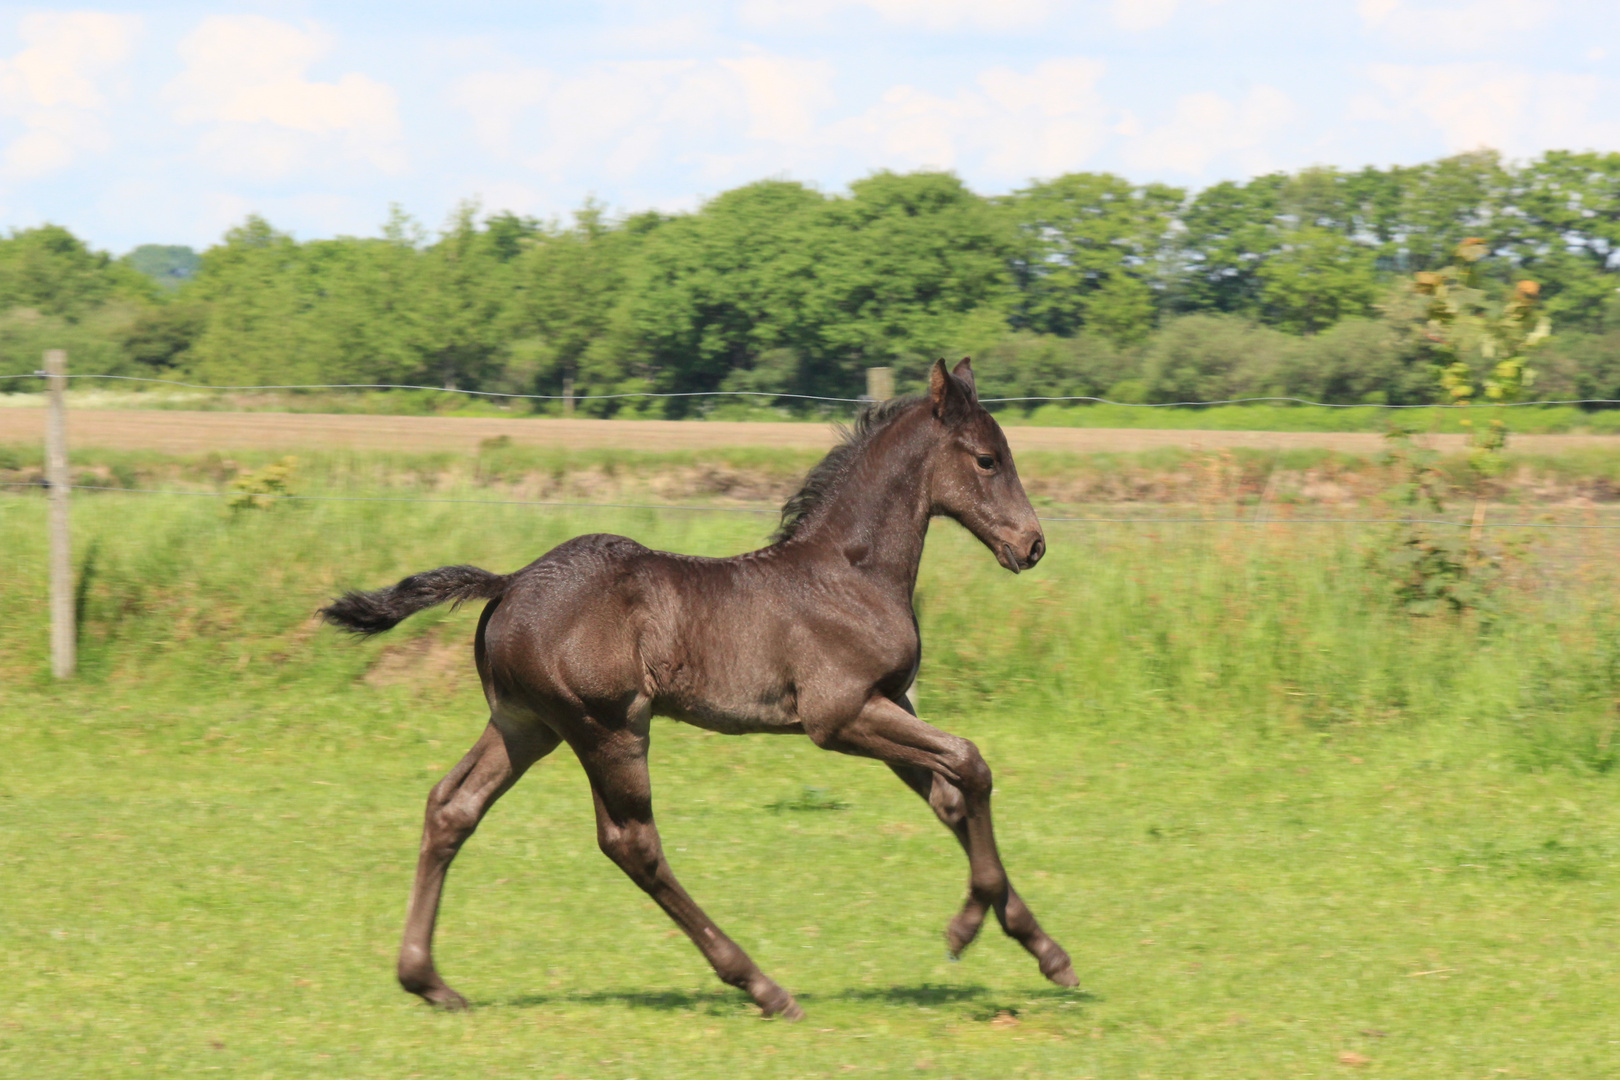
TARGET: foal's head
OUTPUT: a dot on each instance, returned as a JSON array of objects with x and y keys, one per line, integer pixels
[{"x": 972, "y": 476}]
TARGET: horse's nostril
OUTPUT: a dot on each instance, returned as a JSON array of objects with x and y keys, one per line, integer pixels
[{"x": 1036, "y": 550}]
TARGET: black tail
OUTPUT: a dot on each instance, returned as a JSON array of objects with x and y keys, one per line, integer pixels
[{"x": 367, "y": 613}]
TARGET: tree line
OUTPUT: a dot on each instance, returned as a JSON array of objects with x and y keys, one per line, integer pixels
[{"x": 1087, "y": 284}]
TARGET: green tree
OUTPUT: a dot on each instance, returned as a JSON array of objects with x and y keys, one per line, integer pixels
[
  {"x": 715, "y": 291},
  {"x": 464, "y": 286},
  {"x": 1090, "y": 254},
  {"x": 907, "y": 263},
  {"x": 1315, "y": 278},
  {"x": 255, "y": 291},
  {"x": 1566, "y": 233},
  {"x": 569, "y": 329},
  {"x": 50, "y": 271},
  {"x": 1441, "y": 203},
  {"x": 1228, "y": 232}
]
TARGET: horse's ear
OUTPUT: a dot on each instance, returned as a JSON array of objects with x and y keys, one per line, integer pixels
[
  {"x": 964, "y": 371},
  {"x": 949, "y": 398}
]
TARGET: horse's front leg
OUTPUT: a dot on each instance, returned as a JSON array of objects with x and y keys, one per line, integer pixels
[{"x": 952, "y": 775}]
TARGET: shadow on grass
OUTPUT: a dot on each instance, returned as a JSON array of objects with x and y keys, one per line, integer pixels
[
  {"x": 714, "y": 1002},
  {"x": 927, "y": 994},
  {"x": 720, "y": 1002}
]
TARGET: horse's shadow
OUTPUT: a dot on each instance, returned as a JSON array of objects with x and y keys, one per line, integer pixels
[
  {"x": 719, "y": 1002},
  {"x": 713, "y": 1002}
]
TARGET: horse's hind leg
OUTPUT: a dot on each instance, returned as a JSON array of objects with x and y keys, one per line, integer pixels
[
  {"x": 455, "y": 806},
  {"x": 620, "y": 786}
]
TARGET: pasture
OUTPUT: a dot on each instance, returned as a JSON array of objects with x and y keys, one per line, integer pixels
[{"x": 1283, "y": 828}]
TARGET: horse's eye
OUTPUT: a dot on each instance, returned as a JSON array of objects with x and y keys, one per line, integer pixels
[{"x": 986, "y": 462}]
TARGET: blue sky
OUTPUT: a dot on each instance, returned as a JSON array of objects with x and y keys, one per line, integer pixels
[{"x": 133, "y": 123}]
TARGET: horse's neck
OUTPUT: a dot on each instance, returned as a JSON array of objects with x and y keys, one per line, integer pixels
[{"x": 877, "y": 520}]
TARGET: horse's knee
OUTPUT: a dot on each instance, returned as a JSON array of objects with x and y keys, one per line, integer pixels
[{"x": 971, "y": 770}]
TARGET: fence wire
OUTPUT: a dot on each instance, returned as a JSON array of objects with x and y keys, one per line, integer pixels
[
  {"x": 555, "y": 504},
  {"x": 814, "y": 397}
]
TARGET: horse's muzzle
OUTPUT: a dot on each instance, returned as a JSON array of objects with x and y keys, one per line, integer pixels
[{"x": 1009, "y": 557}]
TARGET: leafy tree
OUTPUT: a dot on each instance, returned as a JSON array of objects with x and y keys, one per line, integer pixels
[
  {"x": 463, "y": 287},
  {"x": 905, "y": 262},
  {"x": 1091, "y": 254},
  {"x": 1441, "y": 203},
  {"x": 50, "y": 271},
  {"x": 1228, "y": 232},
  {"x": 160, "y": 338},
  {"x": 1359, "y": 360},
  {"x": 256, "y": 294},
  {"x": 714, "y": 291},
  {"x": 1315, "y": 278},
  {"x": 569, "y": 287},
  {"x": 1566, "y": 232}
]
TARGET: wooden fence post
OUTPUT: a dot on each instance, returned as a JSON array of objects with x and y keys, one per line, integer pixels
[
  {"x": 63, "y": 646},
  {"x": 880, "y": 383}
]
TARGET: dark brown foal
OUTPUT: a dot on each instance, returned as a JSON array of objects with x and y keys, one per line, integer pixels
[{"x": 813, "y": 635}]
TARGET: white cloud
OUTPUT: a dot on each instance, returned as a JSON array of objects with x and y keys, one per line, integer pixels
[
  {"x": 1207, "y": 126},
  {"x": 1142, "y": 14},
  {"x": 497, "y": 101},
  {"x": 927, "y": 14},
  {"x": 246, "y": 77},
  {"x": 734, "y": 119},
  {"x": 1010, "y": 127},
  {"x": 1465, "y": 27},
  {"x": 1516, "y": 111},
  {"x": 53, "y": 87},
  {"x": 784, "y": 95},
  {"x": 727, "y": 116}
]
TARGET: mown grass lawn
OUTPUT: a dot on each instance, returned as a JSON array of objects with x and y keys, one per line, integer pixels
[{"x": 229, "y": 901}]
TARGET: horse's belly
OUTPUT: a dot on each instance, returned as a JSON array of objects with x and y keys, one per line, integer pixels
[{"x": 734, "y": 719}]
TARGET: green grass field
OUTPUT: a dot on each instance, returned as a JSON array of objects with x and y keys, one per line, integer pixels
[{"x": 1283, "y": 829}]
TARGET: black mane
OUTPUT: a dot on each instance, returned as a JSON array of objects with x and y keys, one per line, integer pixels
[{"x": 826, "y": 476}]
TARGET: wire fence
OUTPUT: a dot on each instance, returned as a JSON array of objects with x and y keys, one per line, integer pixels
[
  {"x": 813, "y": 397},
  {"x": 1140, "y": 520},
  {"x": 557, "y": 504}
]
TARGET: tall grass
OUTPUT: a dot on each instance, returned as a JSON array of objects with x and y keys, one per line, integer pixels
[{"x": 1273, "y": 629}]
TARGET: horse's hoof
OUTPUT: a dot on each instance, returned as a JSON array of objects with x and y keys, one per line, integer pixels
[
  {"x": 443, "y": 998},
  {"x": 1065, "y": 976},
  {"x": 959, "y": 935},
  {"x": 781, "y": 1004}
]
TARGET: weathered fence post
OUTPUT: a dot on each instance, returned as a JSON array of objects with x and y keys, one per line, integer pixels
[
  {"x": 568, "y": 395},
  {"x": 63, "y": 651},
  {"x": 880, "y": 383}
]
